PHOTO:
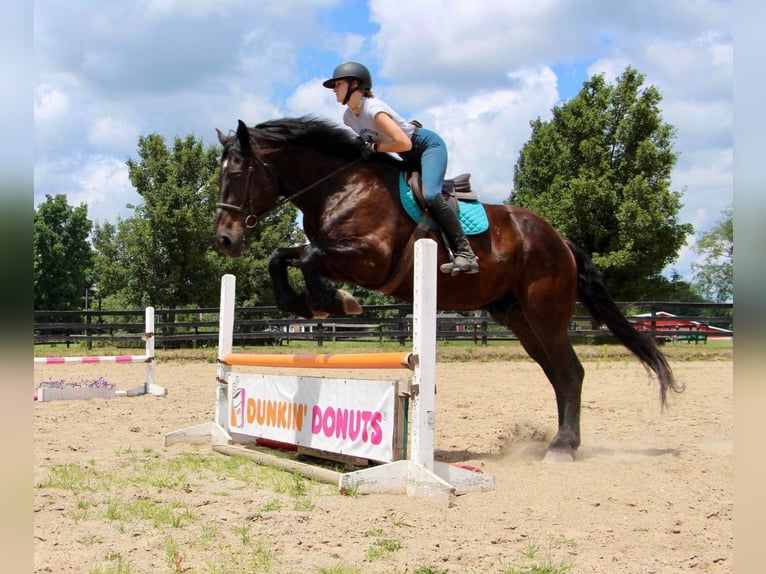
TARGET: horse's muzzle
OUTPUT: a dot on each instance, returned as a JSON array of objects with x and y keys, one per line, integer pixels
[{"x": 229, "y": 245}]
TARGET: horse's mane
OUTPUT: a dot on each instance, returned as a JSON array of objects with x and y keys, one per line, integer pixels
[
  {"x": 307, "y": 131},
  {"x": 312, "y": 132}
]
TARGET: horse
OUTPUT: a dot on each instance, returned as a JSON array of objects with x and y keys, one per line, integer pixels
[{"x": 359, "y": 233}]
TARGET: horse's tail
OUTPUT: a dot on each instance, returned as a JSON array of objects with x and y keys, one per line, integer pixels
[{"x": 593, "y": 294}]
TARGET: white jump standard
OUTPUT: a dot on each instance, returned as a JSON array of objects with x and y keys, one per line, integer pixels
[
  {"x": 149, "y": 386},
  {"x": 417, "y": 475}
]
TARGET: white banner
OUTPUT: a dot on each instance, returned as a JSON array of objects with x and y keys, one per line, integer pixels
[{"x": 353, "y": 417}]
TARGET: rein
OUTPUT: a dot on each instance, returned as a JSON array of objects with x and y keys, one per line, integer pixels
[{"x": 251, "y": 219}]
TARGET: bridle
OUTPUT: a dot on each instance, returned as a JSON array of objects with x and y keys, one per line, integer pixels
[{"x": 253, "y": 219}]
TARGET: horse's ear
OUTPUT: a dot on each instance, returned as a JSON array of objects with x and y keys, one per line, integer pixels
[
  {"x": 222, "y": 137},
  {"x": 243, "y": 135}
]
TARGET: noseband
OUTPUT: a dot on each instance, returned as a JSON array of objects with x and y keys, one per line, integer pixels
[{"x": 252, "y": 219}]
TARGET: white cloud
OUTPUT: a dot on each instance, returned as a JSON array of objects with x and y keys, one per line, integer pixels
[
  {"x": 189, "y": 8},
  {"x": 349, "y": 45},
  {"x": 454, "y": 38},
  {"x": 611, "y": 68},
  {"x": 104, "y": 185},
  {"x": 701, "y": 124},
  {"x": 107, "y": 71},
  {"x": 99, "y": 181},
  {"x": 485, "y": 132},
  {"x": 50, "y": 103},
  {"x": 707, "y": 177},
  {"x": 250, "y": 108},
  {"x": 205, "y": 8},
  {"x": 312, "y": 98},
  {"x": 112, "y": 133}
]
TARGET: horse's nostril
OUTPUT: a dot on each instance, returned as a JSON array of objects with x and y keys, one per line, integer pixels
[{"x": 223, "y": 241}]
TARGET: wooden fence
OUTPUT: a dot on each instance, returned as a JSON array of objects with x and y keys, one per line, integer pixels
[{"x": 254, "y": 326}]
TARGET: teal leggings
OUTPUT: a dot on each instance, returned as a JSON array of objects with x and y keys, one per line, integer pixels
[{"x": 430, "y": 152}]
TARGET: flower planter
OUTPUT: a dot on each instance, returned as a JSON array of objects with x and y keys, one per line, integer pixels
[{"x": 74, "y": 393}]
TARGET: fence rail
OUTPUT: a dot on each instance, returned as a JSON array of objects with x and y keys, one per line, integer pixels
[{"x": 267, "y": 326}]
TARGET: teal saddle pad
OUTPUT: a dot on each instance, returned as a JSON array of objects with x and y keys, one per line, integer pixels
[{"x": 471, "y": 213}]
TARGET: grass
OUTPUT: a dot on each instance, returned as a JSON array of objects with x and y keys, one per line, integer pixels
[
  {"x": 72, "y": 477},
  {"x": 536, "y": 560},
  {"x": 113, "y": 563},
  {"x": 142, "y": 496},
  {"x": 383, "y": 547},
  {"x": 139, "y": 495}
]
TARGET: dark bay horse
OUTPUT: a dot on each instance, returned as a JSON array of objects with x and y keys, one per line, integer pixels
[{"x": 529, "y": 276}]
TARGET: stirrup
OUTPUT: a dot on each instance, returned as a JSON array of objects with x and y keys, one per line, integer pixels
[{"x": 461, "y": 264}]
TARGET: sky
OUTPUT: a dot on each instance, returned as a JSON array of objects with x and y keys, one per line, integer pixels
[{"x": 108, "y": 72}]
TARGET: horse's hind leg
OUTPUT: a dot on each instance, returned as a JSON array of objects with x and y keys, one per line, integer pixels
[{"x": 550, "y": 347}]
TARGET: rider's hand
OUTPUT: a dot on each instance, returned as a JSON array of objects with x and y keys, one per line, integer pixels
[{"x": 367, "y": 148}]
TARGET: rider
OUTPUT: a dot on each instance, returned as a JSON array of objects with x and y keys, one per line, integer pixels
[{"x": 383, "y": 130}]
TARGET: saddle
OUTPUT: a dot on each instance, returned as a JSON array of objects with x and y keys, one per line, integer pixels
[
  {"x": 472, "y": 215},
  {"x": 456, "y": 189}
]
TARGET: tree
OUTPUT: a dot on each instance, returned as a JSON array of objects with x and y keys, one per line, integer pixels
[
  {"x": 161, "y": 256},
  {"x": 714, "y": 278},
  {"x": 62, "y": 254},
  {"x": 599, "y": 172},
  {"x": 110, "y": 275}
]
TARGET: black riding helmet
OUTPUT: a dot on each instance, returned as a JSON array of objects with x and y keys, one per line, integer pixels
[{"x": 350, "y": 70}]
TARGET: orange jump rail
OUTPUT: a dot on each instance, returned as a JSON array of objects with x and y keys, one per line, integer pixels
[{"x": 404, "y": 360}]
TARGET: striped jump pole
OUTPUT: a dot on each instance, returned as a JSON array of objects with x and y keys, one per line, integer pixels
[
  {"x": 416, "y": 475},
  {"x": 149, "y": 386},
  {"x": 91, "y": 359}
]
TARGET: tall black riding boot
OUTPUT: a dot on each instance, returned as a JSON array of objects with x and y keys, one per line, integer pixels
[{"x": 465, "y": 260}]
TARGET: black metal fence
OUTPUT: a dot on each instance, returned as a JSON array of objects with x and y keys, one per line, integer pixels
[{"x": 175, "y": 328}]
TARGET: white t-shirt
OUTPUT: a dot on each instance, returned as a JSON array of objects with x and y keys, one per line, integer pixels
[{"x": 364, "y": 123}]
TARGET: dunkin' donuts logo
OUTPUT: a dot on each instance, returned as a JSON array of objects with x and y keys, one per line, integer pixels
[{"x": 237, "y": 408}]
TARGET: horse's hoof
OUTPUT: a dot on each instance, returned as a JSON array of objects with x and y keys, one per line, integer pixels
[
  {"x": 319, "y": 314},
  {"x": 348, "y": 303},
  {"x": 558, "y": 455}
]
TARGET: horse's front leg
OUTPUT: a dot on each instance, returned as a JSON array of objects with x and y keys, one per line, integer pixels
[
  {"x": 287, "y": 300},
  {"x": 322, "y": 300}
]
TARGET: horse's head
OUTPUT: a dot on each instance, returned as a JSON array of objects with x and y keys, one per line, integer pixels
[{"x": 249, "y": 190}]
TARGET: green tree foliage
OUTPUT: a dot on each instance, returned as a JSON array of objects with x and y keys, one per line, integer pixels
[
  {"x": 599, "y": 172},
  {"x": 714, "y": 277},
  {"x": 110, "y": 275},
  {"x": 163, "y": 256},
  {"x": 62, "y": 255}
]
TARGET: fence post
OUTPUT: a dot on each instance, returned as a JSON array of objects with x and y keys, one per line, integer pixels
[{"x": 89, "y": 342}]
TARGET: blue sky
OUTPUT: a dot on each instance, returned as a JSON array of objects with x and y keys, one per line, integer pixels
[{"x": 108, "y": 72}]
